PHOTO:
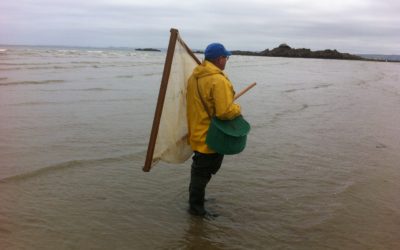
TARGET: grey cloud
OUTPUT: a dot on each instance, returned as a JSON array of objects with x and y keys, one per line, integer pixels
[{"x": 368, "y": 26}]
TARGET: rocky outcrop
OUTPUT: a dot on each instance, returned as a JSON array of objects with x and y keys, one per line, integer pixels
[
  {"x": 285, "y": 50},
  {"x": 148, "y": 49}
]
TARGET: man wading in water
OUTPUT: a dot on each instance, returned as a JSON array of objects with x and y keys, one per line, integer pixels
[{"x": 209, "y": 93}]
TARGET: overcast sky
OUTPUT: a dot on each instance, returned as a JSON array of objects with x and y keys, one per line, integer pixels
[{"x": 354, "y": 26}]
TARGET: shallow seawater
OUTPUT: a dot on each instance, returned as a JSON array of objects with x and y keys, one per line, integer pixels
[{"x": 320, "y": 171}]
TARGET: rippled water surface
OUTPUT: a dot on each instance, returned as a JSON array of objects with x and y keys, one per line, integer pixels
[{"x": 321, "y": 169}]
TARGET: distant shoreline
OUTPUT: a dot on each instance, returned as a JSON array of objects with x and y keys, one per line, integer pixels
[
  {"x": 285, "y": 50},
  {"x": 282, "y": 51}
]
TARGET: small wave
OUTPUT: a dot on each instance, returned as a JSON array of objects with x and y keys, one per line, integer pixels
[
  {"x": 3, "y": 78},
  {"x": 31, "y": 82},
  {"x": 33, "y": 103},
  {"x": 73, "y": 164},
  {"x": 381, "y": 146},
  {"x": 94, "y": 89},
  {"x": 9, "y": 69},
  {"x": 72, "y": 102},
  {"x": 302, "y": 89},
  {"x": 27, "y": 64},
  {"x": 54, "y": 67},
  {"x": 36, "y": 66},
  {"x": 322, "y": 86},
  {"x": 283, "y": 113},
  {"x": 293, "y": 90},
  {"x": 127, "y": 76},
  {"x": 14, "y": 64},
  {"x": 3, "y": 50},
  {"x": 152, "y": 74},
  {"x": 78, "y": 90},
  {"x": 85, "y": 62}
]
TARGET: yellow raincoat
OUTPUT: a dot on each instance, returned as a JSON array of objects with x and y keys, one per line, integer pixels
[{"x": 217, "y": 93}]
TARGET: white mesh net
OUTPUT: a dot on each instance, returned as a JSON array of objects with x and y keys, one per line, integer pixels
[{"x": 171, "y": 143}]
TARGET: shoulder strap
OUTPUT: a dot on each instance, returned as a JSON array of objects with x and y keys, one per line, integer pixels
[{"x": 201, "y": 98}]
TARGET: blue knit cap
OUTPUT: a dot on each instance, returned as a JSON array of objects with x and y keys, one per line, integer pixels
[{"x": 215, "y": 50}]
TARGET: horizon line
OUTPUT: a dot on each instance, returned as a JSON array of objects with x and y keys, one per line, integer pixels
[{"x": 163, "y": 49}]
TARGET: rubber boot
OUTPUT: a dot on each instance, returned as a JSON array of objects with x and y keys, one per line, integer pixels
[{"x": 197, "y": 188}]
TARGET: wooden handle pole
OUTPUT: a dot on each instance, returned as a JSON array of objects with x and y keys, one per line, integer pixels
[
  {"x": 245, "y": 90},
  {"x": 160, "y": 100}
]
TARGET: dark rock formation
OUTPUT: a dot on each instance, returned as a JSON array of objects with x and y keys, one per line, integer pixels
[
  {"x": 148, "y": 49},
  {"x": 285, "y": 50},
  {"x": 245, "y": 53}
]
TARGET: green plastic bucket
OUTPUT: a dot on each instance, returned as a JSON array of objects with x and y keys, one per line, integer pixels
[{"x": 228, "y": 137}]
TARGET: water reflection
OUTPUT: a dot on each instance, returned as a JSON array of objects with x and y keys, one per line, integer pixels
[{"x": 201, "y": 234}]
